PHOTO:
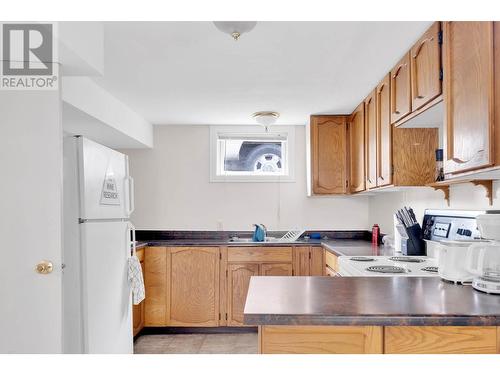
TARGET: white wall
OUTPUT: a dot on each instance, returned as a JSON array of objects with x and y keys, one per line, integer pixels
[
  {"x": 172, "y": 191},
  {"x": 464, "y": 196}
]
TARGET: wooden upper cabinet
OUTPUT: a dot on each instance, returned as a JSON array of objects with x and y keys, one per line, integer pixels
[
  {"x": 357, "y": 176},
  {"x": 371, "y": 140},
  {"x": 469, "y": 94},
  {"x": 384, "y": 133},
  {"x": 329, "y": 154},
  {"x": 238, "y": 279},
  {"x": 414, "y": 156},
  {"x": 400, "y": 89},
  {"x": 193, "y": 275},
  {"x": 425, "y": 65}
]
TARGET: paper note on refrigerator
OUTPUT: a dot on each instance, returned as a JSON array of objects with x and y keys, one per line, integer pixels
[{"x": 109, "y": 195}]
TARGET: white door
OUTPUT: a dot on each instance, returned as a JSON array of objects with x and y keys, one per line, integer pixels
[
  {"x": 107, "y": 306},
  {"x": 104, "y": 182},
  {"x": 30, "y": 221}
]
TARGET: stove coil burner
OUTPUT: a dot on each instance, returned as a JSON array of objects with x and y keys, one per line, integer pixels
[
  {"x": 387, "y": 269},
  {"x": 362, "y": 259},
  {"x": 430, "y": 269},
  {"x": 407, "y": 259}
]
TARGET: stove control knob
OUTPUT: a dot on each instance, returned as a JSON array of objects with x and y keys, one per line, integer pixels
[
  {"x": 460, "y": 231},
  {"x": 467, "y": 232}
]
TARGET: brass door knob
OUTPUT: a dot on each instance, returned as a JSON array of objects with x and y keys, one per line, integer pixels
[{"x": 44, "y": 267}]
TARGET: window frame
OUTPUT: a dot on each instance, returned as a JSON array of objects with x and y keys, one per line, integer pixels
[{"x": 287, "y": 132}]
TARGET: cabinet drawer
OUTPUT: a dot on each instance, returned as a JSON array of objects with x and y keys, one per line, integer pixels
[
  {"x": 260, "y": 254},
  {"x": 331, "y": 261}
]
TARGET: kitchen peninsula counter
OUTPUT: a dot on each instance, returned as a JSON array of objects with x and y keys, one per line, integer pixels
[{"x": 371, "y": 315}]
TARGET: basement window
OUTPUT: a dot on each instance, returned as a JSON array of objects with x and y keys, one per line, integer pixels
[{"x": 248, "y": 154}]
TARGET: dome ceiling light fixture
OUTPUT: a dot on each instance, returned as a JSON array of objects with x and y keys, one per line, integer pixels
[
  {"x": 266, "y": 118},
  {"x": 235, "y": 28}
]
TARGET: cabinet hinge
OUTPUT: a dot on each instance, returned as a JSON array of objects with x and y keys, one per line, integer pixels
[
  {"x": 219, "y": 316},
  {"x": 441, "y": 74},
  {"x": 440, "y": 37}
]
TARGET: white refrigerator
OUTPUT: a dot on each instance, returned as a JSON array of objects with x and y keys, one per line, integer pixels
[{"x": 98, "y": 236}]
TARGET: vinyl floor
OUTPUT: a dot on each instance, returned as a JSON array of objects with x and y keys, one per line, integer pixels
[{"x": 212, "y": 343}]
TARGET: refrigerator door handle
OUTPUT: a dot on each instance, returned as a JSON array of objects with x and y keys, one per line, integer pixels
[
  {"x": 131, "y": 195},
  {"x": 131, "y": 242}
]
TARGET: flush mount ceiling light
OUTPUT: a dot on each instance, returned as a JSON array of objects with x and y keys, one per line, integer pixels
[
  {"x": 266, "y": 118},
  {"x": 235, "y": 28}
]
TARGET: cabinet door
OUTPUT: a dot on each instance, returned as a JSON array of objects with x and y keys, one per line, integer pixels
[
  {"x": 301, "y": 261},
  {"x": 155, "y": 280},
  {"x": 317, "y": 263},
  {"x": 329, "y": 154},
  {"x": 276, "y": 269},
  {"x": 425, "y": 68},
  {"x": 357, "y": 149},
  {"x": 400, "y": 89},
  {"x": 371, "y": 140},
  {"x": 193, "y": 274},
  {"x": 138, "y": 313},
  {"x": 469, "y": 93},
  {"x": 238, "y": 278},
  {"x": 384, "y": 134}
]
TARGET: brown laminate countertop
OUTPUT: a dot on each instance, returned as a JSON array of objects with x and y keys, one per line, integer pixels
[
  {"x": 383, "y": 301},
  {"x": 336, "y": 246}
]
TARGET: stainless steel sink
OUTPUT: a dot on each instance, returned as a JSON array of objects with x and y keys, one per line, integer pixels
[{"x": 250, "y": 240}]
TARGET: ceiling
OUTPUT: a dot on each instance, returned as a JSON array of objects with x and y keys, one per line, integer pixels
[{"x": 191, "y": 73}]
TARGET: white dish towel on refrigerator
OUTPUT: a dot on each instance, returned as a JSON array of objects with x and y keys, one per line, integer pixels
[{"x": 136, "y": 280}]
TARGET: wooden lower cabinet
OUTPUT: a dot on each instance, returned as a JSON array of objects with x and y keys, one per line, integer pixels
[
  {"x": 331, "y": 264},
  {"x": 441, "y": 340},
  {"x": 276, "y": 269},
  {"x": 321, "y": 340},
  {"x": 238, "y": 279},
  {"x": 245, "y": 262},
  {"x": 308, "y": 261},
  {"x": 379, "y": 340},
  {"x": 207, "y": 286},
  {"x": 138, "y": 311},
  {"x": 193, "y": 278},
  {"x": 155, "y": 281}
]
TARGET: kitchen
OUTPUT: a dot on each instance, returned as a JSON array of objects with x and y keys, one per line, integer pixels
[{"x": 281, "y": 216}]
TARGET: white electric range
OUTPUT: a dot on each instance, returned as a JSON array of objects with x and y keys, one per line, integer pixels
[{"x": 421, "y": 266}]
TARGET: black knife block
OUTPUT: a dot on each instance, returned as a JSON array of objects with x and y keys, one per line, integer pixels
[{"x": 415, "y": 245}]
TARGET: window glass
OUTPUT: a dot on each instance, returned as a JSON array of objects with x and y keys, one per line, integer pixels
[{"x": 252, "y": 156}]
